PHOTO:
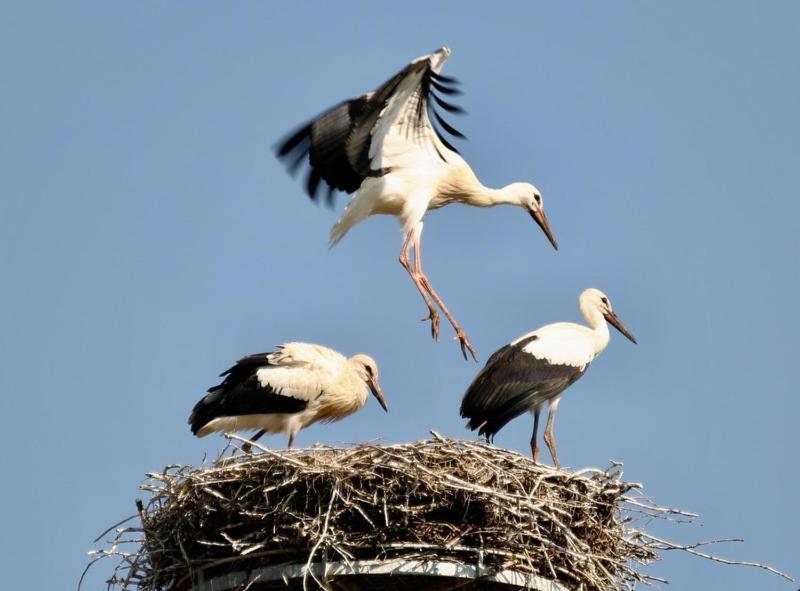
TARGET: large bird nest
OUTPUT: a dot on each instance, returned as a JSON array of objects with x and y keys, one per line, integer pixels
[{"x": 435, "y": 500}]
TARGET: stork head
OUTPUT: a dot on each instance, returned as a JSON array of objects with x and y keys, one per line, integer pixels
[
  {"x": 597, "y": 300},
  {"x": 367, "y": 370},
  {"x": 530, "y": 199}
]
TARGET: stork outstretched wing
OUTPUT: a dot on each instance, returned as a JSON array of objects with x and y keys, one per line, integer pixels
[{"x": 368, "y": 135}]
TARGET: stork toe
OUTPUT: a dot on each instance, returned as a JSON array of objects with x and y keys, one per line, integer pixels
[
  {"x": 465, "y": 344},
  {"x": 433, "y": 316}
]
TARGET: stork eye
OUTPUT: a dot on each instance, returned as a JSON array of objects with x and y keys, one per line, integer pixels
[
  {"x": 604, "y": 300},
  {"x": 370, "y": 371},
  {"x": 538, "y": 198}
]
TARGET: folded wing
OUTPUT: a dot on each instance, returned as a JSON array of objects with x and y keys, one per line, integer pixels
[{"x": 513, "y": 382}]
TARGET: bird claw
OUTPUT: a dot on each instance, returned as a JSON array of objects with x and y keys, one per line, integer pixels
[
  {"x": 465, "y": 344},
  {"x": 434, "y": 318}
]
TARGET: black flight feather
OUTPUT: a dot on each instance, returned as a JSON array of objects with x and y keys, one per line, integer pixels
[
  {"x": 241, "y": 393},
  {"x": 447, "y": 127},
  {"x": 337, "y": 142},
  {"x": 445, "y": 89},
  {"x": 513, "y": 382},
  {"x": 449, "y": 107},
  {"x": 444, "y": 79},
  {"x": 293, "y": 140}
]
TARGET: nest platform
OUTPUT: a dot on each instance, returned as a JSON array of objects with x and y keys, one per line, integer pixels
[{"x": 433, "y": 514}]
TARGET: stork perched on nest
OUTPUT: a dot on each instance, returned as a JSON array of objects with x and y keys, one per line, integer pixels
[
  {"x": 286, "y": 390},
  {"x": 383, "y": 146},
  {"x": 535, "y": 369}
]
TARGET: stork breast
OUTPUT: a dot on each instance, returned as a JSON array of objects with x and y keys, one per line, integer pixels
[{"x": 562, "y": 348}]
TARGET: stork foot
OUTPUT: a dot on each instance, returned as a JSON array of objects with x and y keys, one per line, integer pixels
[
  {"x": 465, "y": 344},
  {"x": 433, "y": 316}
]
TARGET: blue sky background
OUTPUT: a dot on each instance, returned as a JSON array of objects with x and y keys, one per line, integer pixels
[{"x": 148, "y": 238}]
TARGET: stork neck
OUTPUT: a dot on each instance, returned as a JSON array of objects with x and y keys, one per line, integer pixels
[
  {"x": 597, "y": 322},
  {"x": 488, "y": 197},
  {"x": 478, "y": 195}
]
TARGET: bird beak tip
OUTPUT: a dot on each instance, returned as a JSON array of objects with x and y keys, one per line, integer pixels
[
  {"x": 614, "y": 320},
  {"x": 378, "y": 394},
  {"x": 541, "y": 219}
]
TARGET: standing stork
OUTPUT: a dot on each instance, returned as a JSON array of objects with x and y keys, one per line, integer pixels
[
  {"x": 535, "y": 369},
  {"x": 384, "y": 147},
  {"x": 286, "y": 390}
]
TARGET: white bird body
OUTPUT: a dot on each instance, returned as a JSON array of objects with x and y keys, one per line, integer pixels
[
  {"x": 537, "y": 368},
  {"x": 286, "y": 390},
  {"x": 384, "y": 147},
  {"x": 568, "y": 343}
]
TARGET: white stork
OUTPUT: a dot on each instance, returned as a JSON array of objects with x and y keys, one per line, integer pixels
[
  {"x": 383, "y": 146},
  {"x": 286, "y": 390},
  {"x": 535, "y": 369}
]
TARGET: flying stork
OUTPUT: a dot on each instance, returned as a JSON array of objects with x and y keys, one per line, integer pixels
[
  {"x": 384, "y": 147},
  {"x": 286, "y": 390},
  {"x": 535, "y": 369}
]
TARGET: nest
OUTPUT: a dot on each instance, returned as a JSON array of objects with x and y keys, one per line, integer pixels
[{"x": 436, "y": 500}]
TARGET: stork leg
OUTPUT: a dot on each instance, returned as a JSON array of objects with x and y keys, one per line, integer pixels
[
  {"x": 433, "y": 315},
  {"x": 423, "y": 279},
  {"x": 549, "y": 437},
  {"x": 248, "y": 447},
  {"x": 290, "y": 445},
  {"x": 534, "y": 446}
]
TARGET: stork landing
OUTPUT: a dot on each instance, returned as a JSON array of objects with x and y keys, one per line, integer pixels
[{"x": 389, "y": 147}]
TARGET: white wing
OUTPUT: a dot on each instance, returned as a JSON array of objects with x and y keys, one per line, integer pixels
[
  {"x": 301, "y": 370},
  {"x": 404, "y": 136}
]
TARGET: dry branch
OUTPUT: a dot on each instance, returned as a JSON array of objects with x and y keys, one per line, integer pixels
[{"x": 439, "y": 499}]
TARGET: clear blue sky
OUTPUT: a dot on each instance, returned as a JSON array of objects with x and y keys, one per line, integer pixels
[{"x": 148, "y": 238}]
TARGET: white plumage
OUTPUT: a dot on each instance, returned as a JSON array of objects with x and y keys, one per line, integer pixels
[
  {"x": 536, "y": 368},
  {"x": 286, "y": 390},
  {"x": 384, "y": 147}
]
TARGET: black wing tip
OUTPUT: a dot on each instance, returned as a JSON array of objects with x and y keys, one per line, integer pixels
[
  {"x": 291, "y": 140},
  {"x": 449, "y": 107},
  {"x": 200, "y": 416},
  {"x": 195, "y": 425},
  {"x": 447, "y": 127},
  {"x": 439, "y": 82},
  {"x": 445, "y": 79},
  {"x": 312, "y": 183},
  {"x": 293, "y": 151},
  {"x": 444, "y": 88}
]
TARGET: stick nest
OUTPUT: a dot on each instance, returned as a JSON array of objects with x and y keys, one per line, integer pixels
[{"x": 438, "y": 499}]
